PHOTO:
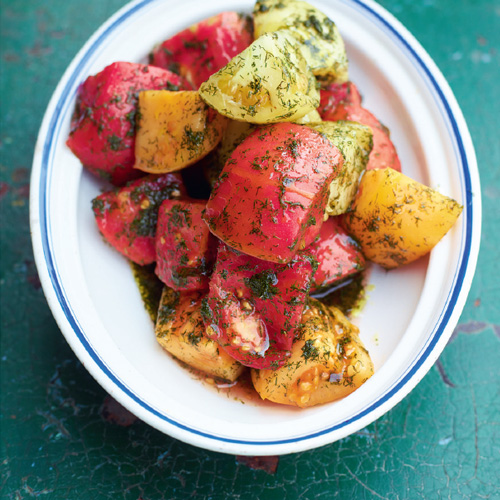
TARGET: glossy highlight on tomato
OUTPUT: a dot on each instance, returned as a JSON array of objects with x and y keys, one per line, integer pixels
[
  {"x": 337, "y": 255},
  {"x": 185, "y": 248},
  {"x": 254, "y": 307},
  {"x": 270, "y": 199}
]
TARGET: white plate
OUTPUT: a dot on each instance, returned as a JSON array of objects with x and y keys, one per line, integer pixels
[{"x": 412, "y": 311}]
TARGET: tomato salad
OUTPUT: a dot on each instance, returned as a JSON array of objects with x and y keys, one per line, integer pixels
[{"x": 304, "y": 186}]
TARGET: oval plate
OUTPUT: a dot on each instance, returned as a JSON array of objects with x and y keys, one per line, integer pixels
[{"x": 410, "y": 313}]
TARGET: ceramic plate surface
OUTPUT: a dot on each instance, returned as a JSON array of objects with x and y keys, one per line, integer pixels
[{"x": 410, "y": 313}]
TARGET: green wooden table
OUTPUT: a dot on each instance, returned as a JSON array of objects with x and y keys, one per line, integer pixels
[{"x": 63, "y": 437}]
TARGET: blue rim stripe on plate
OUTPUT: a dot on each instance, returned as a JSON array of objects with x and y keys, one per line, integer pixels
[{"x": 55, "y": 125}]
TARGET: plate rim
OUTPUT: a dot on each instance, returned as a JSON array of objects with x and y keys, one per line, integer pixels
[{"x": 422, "y": 363}]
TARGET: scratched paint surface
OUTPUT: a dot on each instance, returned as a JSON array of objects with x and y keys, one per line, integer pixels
[{"x": 63, "y": 437}]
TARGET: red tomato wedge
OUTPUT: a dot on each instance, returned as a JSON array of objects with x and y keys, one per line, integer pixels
[
  {"x": 185, "y": 248},
  {"x": 254, "y": 307},
  {"x": 103, "y": 125},
  {"x": 271, "y": 195},
  {"x": 337, "y": 255},
  {"x": 343, "y": 102},
  {"x": 201, "y": 50},
  {"x": 127, "y": 216}
]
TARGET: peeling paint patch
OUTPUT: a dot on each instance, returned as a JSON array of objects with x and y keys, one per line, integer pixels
[
  {"x": 492, "y": 192},
  {"x": 481, "y": 40},
  {"x": 496, "y": 330},
  {"x": 267, "y": 464},
  {"x": 20, "y": 174},
  {"x": 23, "y": 191},
  {"x": 443, "y": 374},
  {"x": 114, "y": 413},
  {"x": 474, "y": 327},
  {"x": 161, "y": 458},
  {"x": 56, "y": 426},
  {"x": 480, "y": 57},
  {"x": 471, "y": 327},
  {"x": 32, "y": 275},
  {"x": 4, "y": 189},
  {"x": 445, "y": 441},
  {"x": 10, "y": 57},
  {"x": 38, "y": 50},
  {"x": 58, "y": 34}
]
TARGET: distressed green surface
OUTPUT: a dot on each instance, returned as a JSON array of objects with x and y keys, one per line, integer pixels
[{"x": 442, "y": 441}]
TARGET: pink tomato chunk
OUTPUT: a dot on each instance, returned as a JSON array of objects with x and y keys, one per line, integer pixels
[
  {"x": 343, "y": 102},
  {"x": 103, "y": 125},
  {"x": 254, "y": 307},
  {"x": 185, "y": 248},
  {"x": 198, "y": 52},
  {"x": 271, "y": 195},
  {"x": 127, "y": 216}
]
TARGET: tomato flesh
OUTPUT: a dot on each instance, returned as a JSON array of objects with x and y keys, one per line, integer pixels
[
  {"x": 103, "y": 125},
  {"x": 198, "y": 52},
  {"x": 127, "y": 216},
  {"x": 254, "y": 307},
  {"x": 271, "y": 195},
  {"x": 336, "y": 253},
  {"x": 343, "y": 102},
  {"x": 185, "y": 248}
]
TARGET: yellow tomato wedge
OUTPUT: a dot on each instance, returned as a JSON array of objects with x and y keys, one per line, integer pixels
[
  {"x": 174, "y": 130},
  {"x": 396, "y": 220},
  {"x": 268, "y": 82},
  {"x": 327, "y": 362},
  {"x": 320, "y": 40},
  {"x": 181, "y": 332}
]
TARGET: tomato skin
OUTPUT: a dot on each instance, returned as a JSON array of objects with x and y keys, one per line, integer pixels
[
  {"x": 185, "y": 248},
  {"x": 336, "y": 253},
  {"x": 271, "y": 195},
  {"x": 254, "y": 307},
  {"x": 201, "y": 50},
  {"x": 103, "y": 125},
  {"x": 343, "y": 102},
  {"x": 337, "y": 94},
  {"x": 127, "y": 216}
]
